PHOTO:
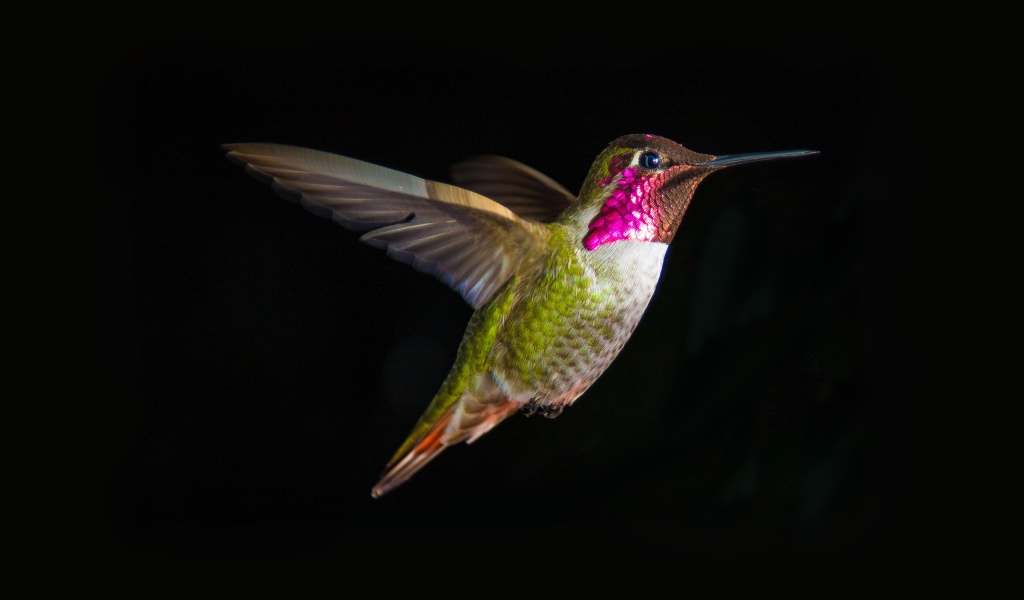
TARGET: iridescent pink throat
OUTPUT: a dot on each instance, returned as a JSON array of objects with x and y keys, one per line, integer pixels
[{"x": 628, "y": 214}]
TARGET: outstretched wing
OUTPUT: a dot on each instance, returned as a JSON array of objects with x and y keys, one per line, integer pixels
[
  {"x": 524, "y": 190},
  {"x": 463, "y": 238}
]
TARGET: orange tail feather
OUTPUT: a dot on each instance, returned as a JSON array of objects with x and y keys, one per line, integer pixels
[{"x": 396, "y": 473}]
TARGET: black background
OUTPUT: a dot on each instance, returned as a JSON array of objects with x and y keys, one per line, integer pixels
[{"x": 265, "y": 364}]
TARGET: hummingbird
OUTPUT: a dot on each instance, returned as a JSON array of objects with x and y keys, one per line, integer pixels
[{"x": 558, "y": 281}]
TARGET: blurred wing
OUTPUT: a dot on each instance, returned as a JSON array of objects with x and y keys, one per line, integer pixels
[
  {"x": 466, "y": 240},
  {"x": 525, "y": 191}
]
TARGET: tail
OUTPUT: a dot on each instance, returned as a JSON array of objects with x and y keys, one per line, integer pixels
[
  {"x": 464, "y": 421},
  {"x": 399, "y": 470}
]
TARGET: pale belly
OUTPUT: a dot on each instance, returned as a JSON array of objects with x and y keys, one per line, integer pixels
[{"x": 564, "y": 333}]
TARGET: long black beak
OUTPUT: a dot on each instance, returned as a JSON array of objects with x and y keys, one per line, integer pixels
[{"x": 731, "y": 160}]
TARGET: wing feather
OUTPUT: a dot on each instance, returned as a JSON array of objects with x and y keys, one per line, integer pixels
[
  {"x": 463, "y": 238},
  {"x": 526, "y": 191}
]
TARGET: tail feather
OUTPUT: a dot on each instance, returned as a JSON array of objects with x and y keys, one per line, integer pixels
[
  {"x": 465, "y": 421},
  {"x": 396, "y": 473}
]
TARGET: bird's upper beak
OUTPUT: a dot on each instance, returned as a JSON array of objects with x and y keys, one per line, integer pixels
[{"x": 731, "y": 160}]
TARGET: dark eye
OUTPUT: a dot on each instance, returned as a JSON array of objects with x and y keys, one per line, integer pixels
[{"x": 649, "y": 160}]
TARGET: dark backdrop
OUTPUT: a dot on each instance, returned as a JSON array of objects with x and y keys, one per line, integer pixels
[{"x": 265, "y": 364}]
